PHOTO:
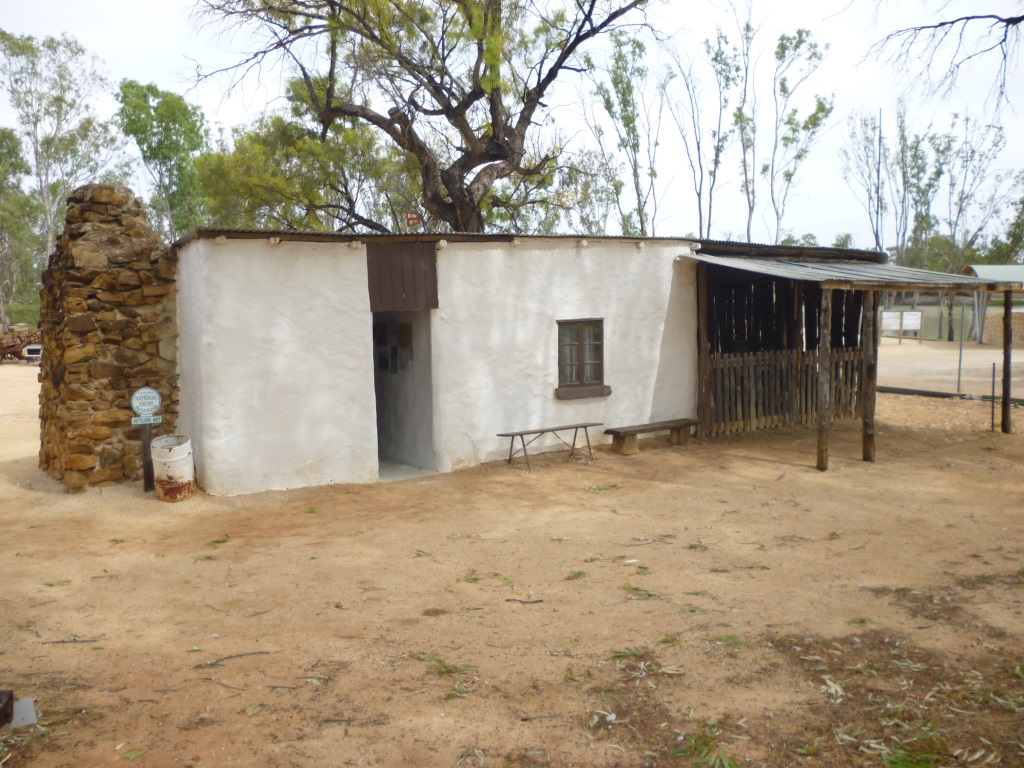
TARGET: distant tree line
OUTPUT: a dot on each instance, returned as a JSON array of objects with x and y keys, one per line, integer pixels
[{"x": 428, "y": 115}]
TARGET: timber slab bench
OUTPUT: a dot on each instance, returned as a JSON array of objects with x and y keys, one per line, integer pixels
[
  {"x": 536, "y": 433},
  {"x": 624, "y": 438}
]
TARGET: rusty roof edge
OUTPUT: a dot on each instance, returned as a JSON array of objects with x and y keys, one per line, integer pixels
[
  {"x": 742, "y": 250},
  {"x": 453, "y": 237}
]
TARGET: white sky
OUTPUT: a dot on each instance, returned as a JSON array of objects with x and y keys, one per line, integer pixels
[{"x": 157, "y": 41}]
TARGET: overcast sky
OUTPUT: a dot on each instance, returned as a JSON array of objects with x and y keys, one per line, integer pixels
[{"x": 157, "y": 41}]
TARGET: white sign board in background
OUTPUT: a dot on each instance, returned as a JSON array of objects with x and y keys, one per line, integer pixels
[
  {"x": 906, "y": 320},
  {"x": 911, "y": 321}
]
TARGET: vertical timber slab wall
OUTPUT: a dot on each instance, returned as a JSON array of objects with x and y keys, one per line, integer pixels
[{"x": 109, "y": 327}]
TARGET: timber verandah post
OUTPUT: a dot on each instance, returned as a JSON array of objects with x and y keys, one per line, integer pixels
[
  {"x": 703, "y": 355},
  {"x": 1007, "y": 345},
  {"x": 869, "y": 376},
  {"x": 824, "y": 376}
]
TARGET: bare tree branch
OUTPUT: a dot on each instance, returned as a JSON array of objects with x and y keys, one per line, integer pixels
[{"x": 939, "y": 51}]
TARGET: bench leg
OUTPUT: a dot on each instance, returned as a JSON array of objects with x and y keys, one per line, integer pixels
[
  {"x": 523, "y": 441},
  {"x": 679, "y": 436},
  {"x": 625, "y": 444}
]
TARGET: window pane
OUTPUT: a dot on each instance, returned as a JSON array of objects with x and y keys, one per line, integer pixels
[
  {"x": 580, "y": 352},
  {"x": 568, "y": 353}
]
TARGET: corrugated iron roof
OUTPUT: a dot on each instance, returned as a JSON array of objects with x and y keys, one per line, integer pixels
[
  {"x": 800, "y": 252},
  {"x": 858, "y": 275},
  {"x": 1000, "y": 272}
]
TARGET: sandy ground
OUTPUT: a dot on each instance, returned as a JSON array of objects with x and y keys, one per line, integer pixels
[
  {"x": 722, "y": 602},
  {"x": 934, "y": 366}
]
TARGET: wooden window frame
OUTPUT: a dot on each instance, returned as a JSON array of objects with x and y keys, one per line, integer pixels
[{"x": 578, "y": 390}]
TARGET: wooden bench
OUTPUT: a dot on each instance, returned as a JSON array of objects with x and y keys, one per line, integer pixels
[
  {"x": 624, "y": 438},
  {"x": 522, "y": 434}
]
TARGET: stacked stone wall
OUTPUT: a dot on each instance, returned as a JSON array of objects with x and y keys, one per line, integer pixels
[
  {"x": 109, "y": 327},
  {"x": 994, "y": 328}
]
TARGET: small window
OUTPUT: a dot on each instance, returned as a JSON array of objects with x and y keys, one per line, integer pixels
[{"x": 581, "y": 359}]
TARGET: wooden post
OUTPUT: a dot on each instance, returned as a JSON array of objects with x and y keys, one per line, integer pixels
[
  {"x": 824, "y": 376},
  {"x": 1007, "y": 345},
  {"x": 148, "y": 479},
  {"x": 869, "y": 375},
  {"x": 703, "y": 355}
]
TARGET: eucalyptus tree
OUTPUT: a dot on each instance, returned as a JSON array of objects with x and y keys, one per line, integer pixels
[
  {"x": 169, "y": 133},
  {"x": 18, "y": 241},
  {"x": 864, "y": 157},
  {"x": 939, "y": 49},
  {"x": 633, "y": 108},
  {"x": 744, "y": 117},
  {"x": 706, "y": 136},
  {"x": 458, "y": 87},
  {"x": 283, "y": 172},
  {"x": 797, "y": 57},
  {"x": 51, "y": 84}
]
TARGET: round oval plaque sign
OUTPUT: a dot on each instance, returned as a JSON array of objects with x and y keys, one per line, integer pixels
[{"x": 145, "y": 401}]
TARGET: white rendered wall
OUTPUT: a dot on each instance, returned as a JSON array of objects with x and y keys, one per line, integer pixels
[
  {"x": 275, "y": 364},
  {"x": 405, "y": 407},
  {"x": 495, "y": 339}
]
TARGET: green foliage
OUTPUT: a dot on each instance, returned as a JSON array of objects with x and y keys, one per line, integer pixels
[
  {"x": 953, "y": 204},
  {"x": 18, "y": 240},
  {"x": 797, "y": 57},
  {"x": 169, "y": 133},
  {"x": 808, "y": 239},
  {"x": 1007, "y": 247},
  {"x": 621, "y": 95},
  {"x": 704, "y": 144},
  {"x": 282, "y": 173},
  {"x": 703, "y": 749},
  {"x": 51, "y": 85},
  {"x": 462, "y": 88}
]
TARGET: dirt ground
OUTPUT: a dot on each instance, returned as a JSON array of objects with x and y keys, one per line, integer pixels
[
  {"x": 937, "y": 366},
  {"x": 722, "y": 604}
]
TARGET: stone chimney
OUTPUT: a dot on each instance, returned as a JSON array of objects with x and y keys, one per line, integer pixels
[{"x": 109, "y": 327}]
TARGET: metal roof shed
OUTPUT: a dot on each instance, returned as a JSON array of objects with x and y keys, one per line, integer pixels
[
  {"x": 992, "y": 272},
  {"x": 736, "y": 281}
]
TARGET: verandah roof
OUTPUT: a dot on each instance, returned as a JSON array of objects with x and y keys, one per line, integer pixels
[{"x": 857, "y": 275}]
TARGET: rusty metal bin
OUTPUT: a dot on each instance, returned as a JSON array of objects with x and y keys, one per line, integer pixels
[{"x": 173, "y": 469}]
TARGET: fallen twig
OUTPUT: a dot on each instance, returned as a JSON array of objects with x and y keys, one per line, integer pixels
[
  {"x": 537, "y": 717},
  {"x": 640, "y": 541},
  {"x": 73, "y": 639},
  {"x": 524, "y": 602},
  {"x": 217, "y": 662},
  {"x": 218, "y": 682}
]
